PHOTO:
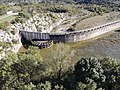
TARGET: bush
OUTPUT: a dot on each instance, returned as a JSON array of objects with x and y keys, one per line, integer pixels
[
  {"x": 13, "y": 32},
  {"x": 4, "y": 25},
  {"x": 58, "y": 10},
  {"x": 19, "y": 20},
  {"x": 103, "y": 73}
]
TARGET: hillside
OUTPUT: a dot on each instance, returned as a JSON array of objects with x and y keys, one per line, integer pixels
[
  {"x": 98, "y": 1},
  {"x": 56, "y": 1}
]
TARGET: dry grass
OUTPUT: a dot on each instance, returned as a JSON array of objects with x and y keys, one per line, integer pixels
[
  {"x": 94, "y": 21},
  {"x": 9, "y": 18}
]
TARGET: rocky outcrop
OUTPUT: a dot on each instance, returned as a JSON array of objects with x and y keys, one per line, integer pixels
[
  {"x": 47, "y": 22},
  {"x": 9, "y": 40}
]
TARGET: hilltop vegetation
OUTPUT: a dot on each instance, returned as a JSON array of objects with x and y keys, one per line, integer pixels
[
  {"x": 27, "y": 10},
  {"x": 33, "y": 1},
  {"x": 67, "y": 1}
]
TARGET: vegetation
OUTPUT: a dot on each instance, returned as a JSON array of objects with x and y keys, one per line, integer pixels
[
  {"x": 29, "y": 71},
  {"x": 21, "y": 18},
  {"x": 5, "y": 44},
  {"x": 97, "y": 9},
  {"x": 3, "y": 10},
  {"x": 57, "y": 71},
  {"x": 27, "y": 8},
  {"x": 66, "y": 1},
  {"x": 3, "y": 25}
]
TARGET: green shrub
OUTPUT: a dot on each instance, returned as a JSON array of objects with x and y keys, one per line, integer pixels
[{"x": 4, "y": 25}]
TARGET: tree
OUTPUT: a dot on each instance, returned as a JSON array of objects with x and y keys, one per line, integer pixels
[
  {"x": 3, "y": 10},
  {"x": 32, "y": 51},
  {"x": 98, "y": 73},
  {"x": 89, "y": 69},
  {"x": 80, "y": 86},
  {"x": 46, "y": 86},
  {"x": 30, "y": 86},
  {"x": 29, "y": 69},
  {"x": 91, "y": 86},
  {"x": 4, "y": 25},
  {"x": 6, "y": 76},
  {"x": 60, "y": 59},
  {"x": 30, "y": 66},
  {"x": 18, "y": 70},
  {"x": 112, "y": 72}
]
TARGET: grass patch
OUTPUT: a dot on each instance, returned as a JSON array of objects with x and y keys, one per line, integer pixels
[
  {"x": 94, "y": 21},
  {"x": 8, "y": 19}
]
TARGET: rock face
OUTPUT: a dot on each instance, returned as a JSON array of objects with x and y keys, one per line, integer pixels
[
  {"x": 8, "y": 36},
  {"x": 47, "y": 22},
  {"x": 9, "y": 40}
]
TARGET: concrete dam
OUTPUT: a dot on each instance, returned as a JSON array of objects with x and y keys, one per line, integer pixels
[{"x": 45, "y": 40}]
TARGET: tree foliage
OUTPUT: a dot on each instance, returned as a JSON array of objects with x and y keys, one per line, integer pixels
[
  {"x": 29, "y": 71},
  {"x": 98, "y": 73},
  {"x": 4, "y": 25},
  {"x": 20, "y": 69},
  {"x": 60, "y": 59}
]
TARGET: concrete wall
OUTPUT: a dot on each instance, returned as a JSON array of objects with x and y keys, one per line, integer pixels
[
  {"x": 29, "y": 36},
  {"x": 90, "y": 33},
  {"x": 72, "y": 36},
  {"x": 58, "y": 38}
]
